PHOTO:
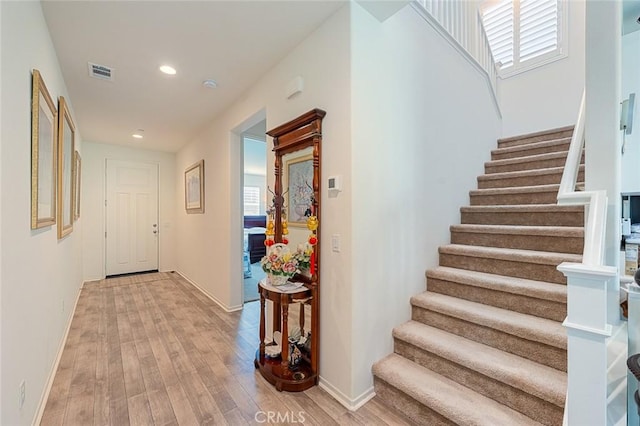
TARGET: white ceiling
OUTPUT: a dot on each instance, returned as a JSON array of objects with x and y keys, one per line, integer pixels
[{"x": 232, "y": 42}]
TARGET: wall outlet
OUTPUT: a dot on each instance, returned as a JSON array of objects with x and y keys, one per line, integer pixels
[{"x": 21, "y": 394}]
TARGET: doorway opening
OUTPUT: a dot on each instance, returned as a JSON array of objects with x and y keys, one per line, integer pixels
[{"x": 255, "y": 196}]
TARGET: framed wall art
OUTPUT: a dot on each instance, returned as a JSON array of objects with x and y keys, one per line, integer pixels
[
  {"x": 66, "y": 166},
  {"x": 77, "y": 177},
  {"x": 298, "y": 184},
  {"x": 44, "y": 127},
  {"x": 194, "y": 188}
]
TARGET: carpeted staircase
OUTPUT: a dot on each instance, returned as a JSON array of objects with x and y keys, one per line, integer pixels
[{"x": 485, "y": 345}]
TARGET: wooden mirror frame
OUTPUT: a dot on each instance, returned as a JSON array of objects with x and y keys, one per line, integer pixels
[{"x": 298, "y": 134}]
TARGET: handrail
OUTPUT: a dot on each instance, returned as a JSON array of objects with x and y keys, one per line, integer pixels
[{"x": 594, "y": 201}]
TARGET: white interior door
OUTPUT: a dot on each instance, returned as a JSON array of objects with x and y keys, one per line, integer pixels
[{"x": 132, "y": 217}]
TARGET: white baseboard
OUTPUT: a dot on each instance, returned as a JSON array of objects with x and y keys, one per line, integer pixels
[
  {"x": 210, "y": 296},
  {"x": 350, "y": 404},
  {"x": 52, "y": 374}
]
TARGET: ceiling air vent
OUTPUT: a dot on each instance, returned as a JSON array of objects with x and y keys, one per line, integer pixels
[{"x": 100, "y": 71}]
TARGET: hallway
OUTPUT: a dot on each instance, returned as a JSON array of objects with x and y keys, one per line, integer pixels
[{"x": 153, "y": 350}]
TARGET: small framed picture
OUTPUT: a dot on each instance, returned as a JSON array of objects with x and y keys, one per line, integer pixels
[{"x": 194, "y": 188}]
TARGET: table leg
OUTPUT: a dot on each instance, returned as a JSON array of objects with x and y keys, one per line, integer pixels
[
  {"x": 285, "y": 333},
  {"x": 262, "y": 321},
  {"x": 302, "y": 319}
]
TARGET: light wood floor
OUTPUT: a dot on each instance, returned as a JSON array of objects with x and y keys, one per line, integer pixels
[{"x": 152, "y": 350}]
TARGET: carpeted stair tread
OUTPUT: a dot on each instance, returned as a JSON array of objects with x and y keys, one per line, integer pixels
[
  {"x": 453, "y": 401},
  {"x": 524, "y": 173},
  {"x": 525, "y": 326},
  {"x": 527, "y": 159},
  {"x": 532, "y": 189},
  {"x": 516, "y": 255},
  {"x": 556, "y": 231},
  {"x": 521, "y": 286},
  {"x": 524, "y": 214},
  {"x": 560, "y": 239},
  {"x": 536, "y": 379},
  {"x": 558, "y": 133},
  {"x": 552, "y": 145},
  {"x": 525, "y": 208}
]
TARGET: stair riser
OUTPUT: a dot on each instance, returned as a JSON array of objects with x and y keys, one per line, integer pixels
[
  {"x": 526, "y": 140},
  {"x": 501, "y": 155},
  {"x": 545, "y": 179},
  {"x": 515, "y": 302},
  {"x": 536, "y": 408},
  {"x": 409, "y": 407},
  {"x": 521, "y": 166},
  {"x": 514, "y": 199},
  {"x": 519, "y": 218},
  {"x": 550, "y": 243},
  {"x": 535, "y": 351},
  {"x": 511, "y": 268}
]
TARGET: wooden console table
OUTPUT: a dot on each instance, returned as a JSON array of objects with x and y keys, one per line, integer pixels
[{"x": 276, "y": 370}]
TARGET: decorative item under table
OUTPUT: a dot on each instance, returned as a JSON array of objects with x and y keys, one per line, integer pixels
[{"x": 293, "y": 369}]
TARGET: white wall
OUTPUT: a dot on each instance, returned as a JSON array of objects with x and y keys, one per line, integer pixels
[
  {"x": 41, "y": 275},
  {"x": 631, "y": 84},
  {"x": 209, "y": 246},
  {"x": 422, "y": 127},
  {"x": 93, "y": 210},
  {"x": 548, "y": 96}
]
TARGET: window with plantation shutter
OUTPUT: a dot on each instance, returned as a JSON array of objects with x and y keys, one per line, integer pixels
[
  {"x": 498, "y": 23},
  {"x": 251, "y": 200},
  {"x": 524, "y": 34}
]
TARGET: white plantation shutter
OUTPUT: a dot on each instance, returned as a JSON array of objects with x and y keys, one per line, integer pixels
[
  {"x": 251, "y": 200},
  {"x": 522, "y": 30},
  {"x": 538, "y": 28},
  {"x": 498, "y": 23}
]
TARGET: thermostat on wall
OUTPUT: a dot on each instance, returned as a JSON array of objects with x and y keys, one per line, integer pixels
[{"x": 334, "y": 183}]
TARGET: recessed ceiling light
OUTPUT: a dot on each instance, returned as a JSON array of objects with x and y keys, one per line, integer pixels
[
  {"x": 138, "y": 134},
  {"x": 167, "y": 69}
]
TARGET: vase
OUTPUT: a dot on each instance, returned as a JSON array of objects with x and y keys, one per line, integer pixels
[{"x": 278, "y": 280}]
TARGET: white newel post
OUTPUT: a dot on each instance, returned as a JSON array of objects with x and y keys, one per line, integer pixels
[
  {"x": 634, "y": 347},
  {"x": 587, "y": 333}
]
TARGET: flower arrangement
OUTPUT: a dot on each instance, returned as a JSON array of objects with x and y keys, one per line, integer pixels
[
  {"x": 280, "y": 264},
  {"x": 279, "y": 261},
  {"x": 303, "y": 256}
]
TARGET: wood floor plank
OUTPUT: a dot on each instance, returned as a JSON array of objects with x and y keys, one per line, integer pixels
[
  {"x": 139, "y": 410},
  {"x": 133, "y": 381},
  {"x": 153, "y": 350},
  {"x": 181, "y": 406},
  {"x": 161, "y": 409}
]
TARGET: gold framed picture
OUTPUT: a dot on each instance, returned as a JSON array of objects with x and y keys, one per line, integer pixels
[
  {"x": 44, "y": 128},
  {"x": 194, "y": 188},
  {"x": 77, "y": 177},
  {"x": 298, "y": 184},
  {"x": 66, "y": 166}
]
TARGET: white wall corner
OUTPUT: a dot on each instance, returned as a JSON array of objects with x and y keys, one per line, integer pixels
[{"x": 382, "y": 10}]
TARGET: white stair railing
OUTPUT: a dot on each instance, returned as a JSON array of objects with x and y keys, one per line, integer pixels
[
  {"x": 460, "y": 23},
  {"x": 589, "y": 301}
]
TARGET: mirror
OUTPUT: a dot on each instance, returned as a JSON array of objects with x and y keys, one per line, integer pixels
[{"x": 296, "y": 200}]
